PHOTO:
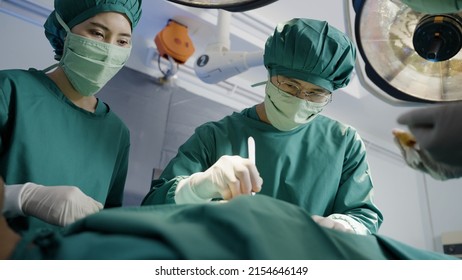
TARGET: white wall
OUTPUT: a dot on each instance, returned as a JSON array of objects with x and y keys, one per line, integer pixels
[
  {"x": 23, "y": 45},
  {"x": 417, "y": 209},
  {"x": 399, "y": 195},
  {"x": 444, "y": 202}
]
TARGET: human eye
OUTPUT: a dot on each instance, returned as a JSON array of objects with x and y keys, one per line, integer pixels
[
  {"x": 290, "y": 87},
  {"x": 124, "y": 42},
  {"x": 97, "y": 34},
  {"x": 313, "y": 96}
]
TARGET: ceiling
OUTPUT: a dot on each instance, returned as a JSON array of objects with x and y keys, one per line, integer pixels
[{"x": 354, "y": 105}]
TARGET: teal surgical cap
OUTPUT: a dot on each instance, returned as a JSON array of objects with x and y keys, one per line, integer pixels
[
  {"x": 434, "y": 7},
  {"x": 312, "y": 51},
  {"x": 74, "y": 12}
]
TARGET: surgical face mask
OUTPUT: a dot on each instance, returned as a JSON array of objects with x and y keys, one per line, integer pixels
[
  {"x": 90, "y": 64},
  {"x": 287, "y": 112}
]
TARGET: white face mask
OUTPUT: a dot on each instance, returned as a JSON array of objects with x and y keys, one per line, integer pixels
[{"x": 287, "y": 112}]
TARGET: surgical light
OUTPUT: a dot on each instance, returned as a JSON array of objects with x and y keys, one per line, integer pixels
[
  {"x": 228, "y": 5},
  {"x": 409, "y": 56}
]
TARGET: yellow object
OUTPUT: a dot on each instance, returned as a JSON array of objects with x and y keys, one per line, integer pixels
[
  {"x": 174, "y": 41},
  {"x": 405, "y": 138}
]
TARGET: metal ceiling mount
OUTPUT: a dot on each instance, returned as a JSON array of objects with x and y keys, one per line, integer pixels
[
  {"x": 410, "y": 56},
  {"x": 228, "y": 5}
]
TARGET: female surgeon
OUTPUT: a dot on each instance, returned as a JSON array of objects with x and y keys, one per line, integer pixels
[
  {"x": 63, "y": 152},
  {"x": 301, "y": 156}
]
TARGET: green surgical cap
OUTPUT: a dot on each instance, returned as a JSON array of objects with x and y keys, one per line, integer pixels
[
  {"x": 311, "y": 51},
  {"x": 74, "y": 12},
  {"x": 434, "y": 7}
]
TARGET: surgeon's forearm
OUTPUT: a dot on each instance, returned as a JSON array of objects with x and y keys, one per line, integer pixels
[
  {"x": 8, "y": 238},
  {"x": 8, "y": 241}
]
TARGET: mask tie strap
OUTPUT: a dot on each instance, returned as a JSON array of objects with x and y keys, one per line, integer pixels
[
  {"x": 61, "y": 21},
  {"x": 66, "y": 28},
  {"x": 51, "y": 67}
]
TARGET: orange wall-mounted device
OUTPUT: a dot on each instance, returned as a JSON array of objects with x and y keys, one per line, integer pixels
[{"x": 175, "y": 42}]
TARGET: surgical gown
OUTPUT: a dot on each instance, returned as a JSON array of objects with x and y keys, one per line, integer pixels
[
  {"x": 47, "y": 140},
  {"x": 320, "y": 166},
  {"x": 247, "y": 227}
]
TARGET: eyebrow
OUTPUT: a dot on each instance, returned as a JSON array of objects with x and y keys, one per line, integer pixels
[{"x": 107, "y": 29}]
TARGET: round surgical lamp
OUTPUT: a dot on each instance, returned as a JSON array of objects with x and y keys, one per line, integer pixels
[
  {"x": 410, "y": 56},
  {"x": 228, "y": 5}
]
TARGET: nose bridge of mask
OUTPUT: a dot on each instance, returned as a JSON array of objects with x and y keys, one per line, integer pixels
[
  {"x": 274, "y": 92},
  {"x": 99, "y": 52}
]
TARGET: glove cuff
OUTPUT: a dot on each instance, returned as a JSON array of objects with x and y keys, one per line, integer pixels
[
  {"x": 185, "y": 194},
  {"x": 349, "y": 222},
  {"x": 13, "y": 203},
  {"x": 28, "y": 191}
]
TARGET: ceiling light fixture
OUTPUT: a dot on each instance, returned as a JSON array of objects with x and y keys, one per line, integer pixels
[
  {"x": 228, "y": 5},
  {"x": 409, "y": 56},
  {"x": 218, "y": 62}
]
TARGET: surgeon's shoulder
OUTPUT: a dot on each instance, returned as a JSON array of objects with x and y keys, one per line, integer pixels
[
  {"x": 339, "y": 128},
  {"x": 221, "y": 124},
  {"x": 9, "y": 79},
  {"x": 8, "y": 75},
  {"x": 17, "y": 73},
  {"x": 14, "y": 76}
]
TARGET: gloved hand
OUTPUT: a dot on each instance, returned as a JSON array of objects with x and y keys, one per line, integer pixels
[
  {"x": 58, "y": 205},
  {"x": 331, "y": 223},
  {"x": 437, "y": 130},
  {"x": 229, "y": 177},
  {"x": 421, "y": 160}
]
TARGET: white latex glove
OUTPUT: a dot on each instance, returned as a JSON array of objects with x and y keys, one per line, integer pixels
[
  {"x": 229, "y": 177},
  {"x": 341, "y": 222},
  {"x": 58, "y": 205},
  {"x": 332, "y": 224}
]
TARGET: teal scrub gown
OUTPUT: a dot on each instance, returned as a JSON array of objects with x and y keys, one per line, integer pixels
[
  {"x": 320, "y": 166},
  {"x": 47, "y": 140},
  {"x": 247, "y": 227}
]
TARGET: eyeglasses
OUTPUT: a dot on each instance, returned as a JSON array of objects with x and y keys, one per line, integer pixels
[{"x": 308, "y": 95}]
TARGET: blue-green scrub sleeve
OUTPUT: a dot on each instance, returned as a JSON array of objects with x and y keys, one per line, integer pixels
[
  {"x": 355, "y": 193},
  {"x": 117, "y": 186}
]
